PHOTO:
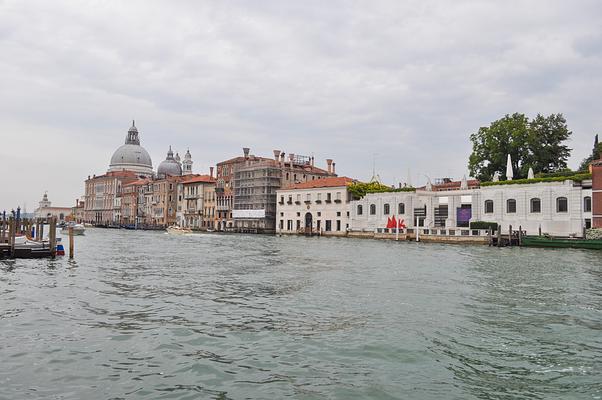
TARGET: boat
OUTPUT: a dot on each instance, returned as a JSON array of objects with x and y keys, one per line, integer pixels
[
  {"x": 78, "y": 229},
  {"x": 175, "y": 229},
  {"x": 561, "y": 242},
  {"x": 27, "y": 248}
]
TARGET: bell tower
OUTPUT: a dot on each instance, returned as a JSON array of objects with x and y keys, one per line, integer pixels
[{"x": 187, "y": 164}]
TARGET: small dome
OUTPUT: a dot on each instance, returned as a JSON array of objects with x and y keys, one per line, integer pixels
[{"x": 169, "y": 166}]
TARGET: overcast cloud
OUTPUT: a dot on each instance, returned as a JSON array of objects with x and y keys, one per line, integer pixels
[{"x": 407, "y": 81}]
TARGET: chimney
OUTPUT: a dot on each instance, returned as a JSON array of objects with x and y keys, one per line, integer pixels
[
  {"x": 211, "y": 172},
  {"x": 276, "y": 155},
  {"x": 333, "y": 165},
  {"x": 312, "y": 161},
  {"x": 282, "y": 158},
  {"x": 329, "y": 163},
  {"x": 246, "y": 152}
]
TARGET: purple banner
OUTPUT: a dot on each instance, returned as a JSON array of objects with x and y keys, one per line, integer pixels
[{"x": 463, "y": 215}]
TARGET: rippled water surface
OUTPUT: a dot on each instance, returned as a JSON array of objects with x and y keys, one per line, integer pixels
[{"x": 150, "y": 315}]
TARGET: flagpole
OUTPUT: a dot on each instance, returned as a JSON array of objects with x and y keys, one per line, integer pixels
[{"x": 397, "y": 228}]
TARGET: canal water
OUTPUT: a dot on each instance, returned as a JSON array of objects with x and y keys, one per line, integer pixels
[{"x": 150, "y": 315}]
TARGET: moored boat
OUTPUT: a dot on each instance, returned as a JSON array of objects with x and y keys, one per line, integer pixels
[
  {"x": 78, "y": 229},
  {"x": 561, "y": 242},
  {"x": 174, "y": 229}
]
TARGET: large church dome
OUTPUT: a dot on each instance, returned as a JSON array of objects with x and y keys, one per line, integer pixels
[
  {"x": 131, "y": 156},
  {"x": 170, "y": 166}
]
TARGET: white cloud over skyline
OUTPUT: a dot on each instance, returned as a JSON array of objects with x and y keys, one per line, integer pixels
[{"x": 407, "y": 81}]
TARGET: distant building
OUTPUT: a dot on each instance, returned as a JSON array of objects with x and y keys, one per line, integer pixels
[
  {"x": 319, "y": 206},
  {"x": 46, "y": 210},
  {"x": 256, "y": 181},
  {"x": 196, "y": 201}
]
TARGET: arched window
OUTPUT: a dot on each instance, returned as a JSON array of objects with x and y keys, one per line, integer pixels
[
  {"x": 535, "y": 205},
  {"x": 401, "y": 209},
  {"x": 510, "y": 206},
  {"x": 386, "y": 209},
  {"x": 360, "y": 209},
  {"x": 372, "y": 209},
  {"x": 488, "y": 206},
  {"x": 562, "y": 205},
  {"x": 587, "y": 204}
]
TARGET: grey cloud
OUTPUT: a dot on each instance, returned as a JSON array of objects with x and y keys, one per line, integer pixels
[{"x": 408, "y": 81}]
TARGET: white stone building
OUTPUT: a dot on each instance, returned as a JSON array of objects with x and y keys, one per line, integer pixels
[
  {"x": 45, "y": 210},
  {"x": 319, "y": 206},
  {"x": 558, "y": 208}
]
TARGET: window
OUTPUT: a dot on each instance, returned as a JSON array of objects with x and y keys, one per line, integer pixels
[
  {"x": 562, "y": 205},
  {"x": 401, "y": 208},
  {"x": 386, "y": 209},
  {"x": 587, "y": 204},
  {"x": 510, "y": 206},
  {"x": 338, "y": 225},
  {"x": 535, "y": 205},
  {"x": 338, "y": 213},
  {"x": 308, "y": 197},
  {"x": 372, "y": 209},
  {"x": 488, "y": 206},
  {"x": 360, "y": 209},
  {"x": 328, "y": 225}
]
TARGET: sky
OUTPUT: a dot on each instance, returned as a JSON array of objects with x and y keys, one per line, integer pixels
[{"x": 397, "y": 86}]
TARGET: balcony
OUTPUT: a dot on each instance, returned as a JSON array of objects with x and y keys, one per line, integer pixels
[
  {"x": 281, "y": 202},
  {"x": 297, "y": 202},
  {"x": 191, "y": 196},
  {"x": 318, "y": 201},
  {"x": 222, "y": 207},
  {"x": 328, "y": 201},
  {"x": 337, "y": 200},
  {"x": 307, "y": 201},
  {"x": 289, "y": 202}
]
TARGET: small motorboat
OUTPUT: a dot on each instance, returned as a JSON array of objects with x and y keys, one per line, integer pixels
[
  {"x": 78, "y": 229},
  {"x": 178, "y": 230},
  {"x": 27, "y": 248}
]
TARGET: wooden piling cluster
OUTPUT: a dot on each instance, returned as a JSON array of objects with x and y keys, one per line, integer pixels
[
  {"x": 512, "y": 238},
  {"x": 33, "y": 229}
]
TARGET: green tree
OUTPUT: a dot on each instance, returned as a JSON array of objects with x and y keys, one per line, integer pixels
[
  {"x": 596, "y": 153},
  {"x": 537, "y": 144}
]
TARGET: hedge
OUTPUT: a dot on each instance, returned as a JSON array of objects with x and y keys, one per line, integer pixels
[
  {"x": 576, "y": 178},
  {"x": 559, "y": 173},
  {"x": 483, "y": 225},
  {"x": 360, "y": 189}
]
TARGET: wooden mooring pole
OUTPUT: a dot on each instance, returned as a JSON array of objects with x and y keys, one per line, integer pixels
[
  {"x": 510, "y": 236},
  {"x": 499, "y": 236},
  {"x": 52, "y": 237},
  {"x": 12, "y": 230},
  {"x": 520, "y": 235},
  {"x": 71, "y": 242}
]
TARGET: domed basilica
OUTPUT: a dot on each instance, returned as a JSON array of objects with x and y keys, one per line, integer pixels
[{"x": 131, "y": 156}]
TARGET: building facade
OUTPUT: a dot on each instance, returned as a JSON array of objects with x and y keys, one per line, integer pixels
[
  {"x": 256, "y": 181},
  {"x": 196, "y": 200},
  {"x": 46, "y": 210},
  {"x": 556, "y": 208},
  {"x": 315, "y": 207}
]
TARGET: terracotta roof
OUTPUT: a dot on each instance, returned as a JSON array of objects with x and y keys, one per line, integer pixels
[
  {"x": 473, "y": 183},
  {"x": 333, "y": 181},
  {"x": 242, "y": 159},
  {"x": 199, "y": 178},
  {"x": 138, "y": 182}
]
